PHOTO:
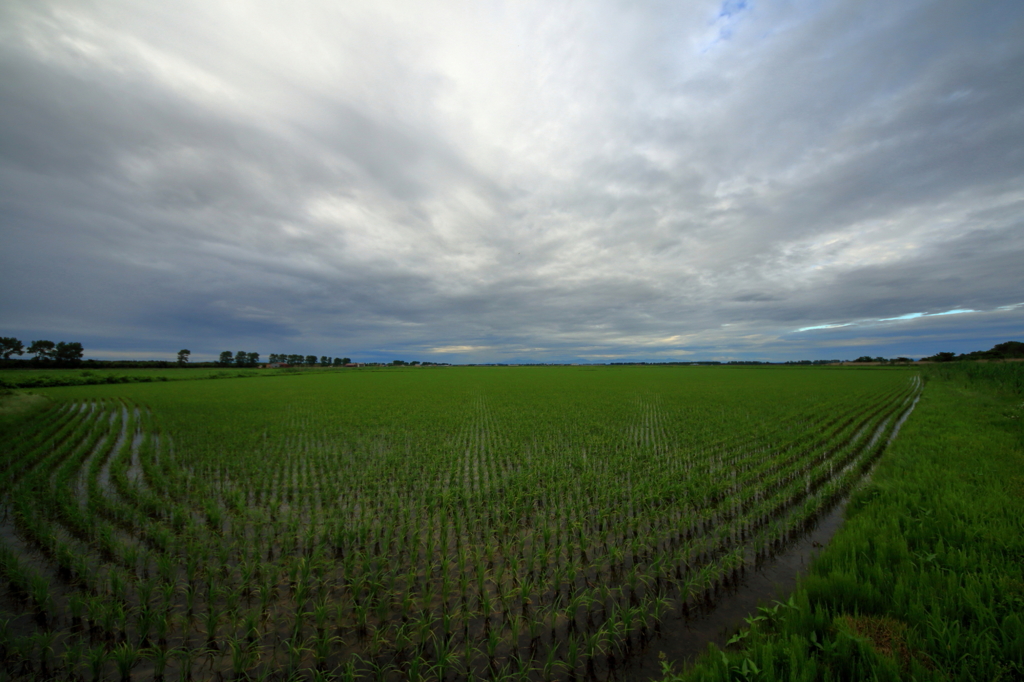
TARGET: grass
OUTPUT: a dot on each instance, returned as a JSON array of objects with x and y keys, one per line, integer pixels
[
  {"x": 46, "y": 378},
  {"x": 14, "y": 404},
  {"x": 925, "y": 580},
  {"x": 1004, "y": 377}
]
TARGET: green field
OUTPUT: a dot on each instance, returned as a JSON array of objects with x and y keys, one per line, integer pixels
[
  {"x": 45, "y": 378},
  {"x": 466, "y": 523}
]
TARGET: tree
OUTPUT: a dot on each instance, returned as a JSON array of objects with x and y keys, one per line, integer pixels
[
  {"x": 324, "y": 361},
  {"x": 253, "y": 359},
  {"x": 310, "y": 360},
  {"x": 241, "y": 358},
  {"x": 43, "y": 350},
  {"x": 1009, "y": 349},
  {"x": 295, "y": 359},
  {"x": 10, "y": 346},
  {"x": 69, "y": 353},
  {"x": 183, "y": 356},
  {"x": 225, "y": 358}
]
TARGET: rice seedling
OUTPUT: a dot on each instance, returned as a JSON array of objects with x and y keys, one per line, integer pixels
[
  {"x": 244, "y": 656},
  {"x": 125, "y": 656},
  {"x": 186, "y": 657},
  {"x": 97, "y": 657},
  {"x": 72, "y": 656}
]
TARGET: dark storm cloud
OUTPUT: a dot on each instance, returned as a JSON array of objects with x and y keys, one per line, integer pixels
[{"x": 521, "y": 182}]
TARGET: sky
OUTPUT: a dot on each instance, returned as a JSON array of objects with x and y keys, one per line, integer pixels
[{"x": 513, "y": 181}]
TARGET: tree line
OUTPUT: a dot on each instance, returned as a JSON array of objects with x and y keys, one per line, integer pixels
[
  {"x": 63, "y": 353},
  {"x": 69, "y": 354},
  {"x": 1007, "y": 350},
  {"x": 246, "y": 359},
  {"x": 879, "y": 359}
]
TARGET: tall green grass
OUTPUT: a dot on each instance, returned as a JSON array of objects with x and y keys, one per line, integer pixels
[
  {"x": 1002, "y": 376},
  {"x": 47, "y": 378},
  {"x": 925, "y": 581}
]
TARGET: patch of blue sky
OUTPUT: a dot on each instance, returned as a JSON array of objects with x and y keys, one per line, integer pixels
[
  {"x": 908, "y": 316},
  {"x": 900, "y": 318},
  {"x": 953, "y": 312},
  {"x": 726, "y": 19},
  {"x": 825, "y": 326},
  {"x": 732, "y": 7},
  {"x": 914, "y": 316}
]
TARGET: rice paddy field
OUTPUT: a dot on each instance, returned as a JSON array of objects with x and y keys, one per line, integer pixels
[{"x": 447, "y": 524}]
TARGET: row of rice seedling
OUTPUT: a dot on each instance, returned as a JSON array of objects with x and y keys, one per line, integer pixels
[{"x": 458, "y": 524}]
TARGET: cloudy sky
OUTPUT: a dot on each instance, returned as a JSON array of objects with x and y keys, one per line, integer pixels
[{"x": 487, "y": 181}]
